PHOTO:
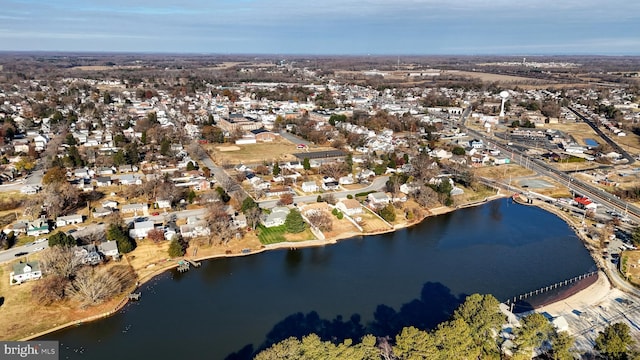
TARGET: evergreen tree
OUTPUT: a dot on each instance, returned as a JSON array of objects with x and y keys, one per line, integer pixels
[
  {"x": 248, "y": 203},
  {"x": 614, "y": 341},
  {"x": 294, "y": 222},
  {"x": 62, "y": 239},
  {"x": 276, "y": 169},
  {"x": 176, "y": 248},
  {"x": 306, "y": 164},
  {"x": 119, "y": 235}
]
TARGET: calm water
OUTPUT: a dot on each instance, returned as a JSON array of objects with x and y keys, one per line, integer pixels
[{"x": 230, "y": 308}]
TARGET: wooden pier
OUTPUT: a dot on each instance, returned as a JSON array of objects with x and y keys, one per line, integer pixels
[
  {"x": 134, "y": 296},
  {"x": 183, "y": 266},
  {"x": 194, "y": 263}
]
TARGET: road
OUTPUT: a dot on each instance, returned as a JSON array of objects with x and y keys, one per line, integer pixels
[
  {"x": 35, "y": 178},
  {"x": 294, "y": 139},
  {"x": 605, "y": 137},
  {"x": 10, "y": 255}
]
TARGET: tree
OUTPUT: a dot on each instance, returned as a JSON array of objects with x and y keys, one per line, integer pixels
[
  {"x": 458, "y": 150},
  {"x": 614, "y": 341},
  {"x": 96, "y": 285},
  {"x": 55, "y": 175},
  {"x": 306, "y": 164},
  {"x": 285, "y": 199},
  {"x": 635, "y": 236},
  {"x": 483, "y": 316},
  {"x": 206, "y": 172},
  {"x": 247, "y": 204},
  {"x": 535, "y": 329},
  {"x": 276, "y": 169},
  {"x": 59, "y": 261},
  {"x": 117, "y": 233},
  {"x": 219, "y": 222},
  {"x": 190, "y": 166},
  {"x": 49, "y": 290},
  {"x": 70, "y": 140},
  {"x": 253, "y": 217},
  {"x": 165, "y": 147},
  {"x": 561, "y": 344},
  {"x": 155, "y": 235},
  {"x": 176, "y": 248},
  {"x": 223, "y": 195},
  {"x": 62, "y": 239},
  {"x": 388, "y": 213},
  {"x": 321, "y": 220},
  {"x": 294, "y": 222},
  {"x": 413, "y": 343},
  {"x": 191, "y": 196}
]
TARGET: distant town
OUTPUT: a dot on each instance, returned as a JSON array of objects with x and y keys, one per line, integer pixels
[{"x": 114, "y": 168}]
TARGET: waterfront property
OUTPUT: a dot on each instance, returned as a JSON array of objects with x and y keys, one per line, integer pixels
[{"x": 25, "y": 271}]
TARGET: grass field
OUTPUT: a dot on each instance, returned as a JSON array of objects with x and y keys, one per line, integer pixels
[{"x": 271, "y": 235}]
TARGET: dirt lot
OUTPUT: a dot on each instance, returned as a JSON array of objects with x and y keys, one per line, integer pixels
[
  {"x": 280, "y": 150},
  {"x": 488, "y": 77},
  {"x": 502, "y": 172}
]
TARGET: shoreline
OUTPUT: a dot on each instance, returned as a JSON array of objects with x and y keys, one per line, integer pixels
[{"x": 441, "y": 210}]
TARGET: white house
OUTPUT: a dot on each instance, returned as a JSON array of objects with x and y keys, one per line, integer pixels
[
  {"x": 136, "y": 209},
  {"x": 195, "y": 229},
  {"x": 38, "y": 227},
  {"x": 163, "y": 203},
  {"x": 25, "y": 271},
  {"x": 29, "y": 190},
  {"x": 346, "y": 180},
  {"x": 141, "y": 229},
  {"x": 350, "y": 207},
  {"x": 109, "y": 248},
  {"x": 101, "y": 212},
  {"x": 309, "y": 186},
  {"x": 68, "y": 220},
  {"x": 277, "y": 217},
  {"x": 130, "y": 179},
  {"x": 378, "y": 199},
  {"x": 111, "y": 204}
]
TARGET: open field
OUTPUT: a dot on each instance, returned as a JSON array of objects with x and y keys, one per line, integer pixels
[
  {"x": 630, "y": 266},
  {"x": 579, "y": 131},
  {"x": 278, "y": 150},
  {"x": 105, "y": 68},
  {"x": 488, "y": 77},
  {"x": 503, "y": 172}
]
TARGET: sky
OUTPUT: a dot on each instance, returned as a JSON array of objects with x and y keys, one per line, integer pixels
[{"x": 324, "y": 27}]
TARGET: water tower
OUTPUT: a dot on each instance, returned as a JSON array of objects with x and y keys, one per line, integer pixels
[{"x": 504, "y": 95}]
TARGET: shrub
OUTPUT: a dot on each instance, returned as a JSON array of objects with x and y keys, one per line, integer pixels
[{"x": 349, "y": 196}]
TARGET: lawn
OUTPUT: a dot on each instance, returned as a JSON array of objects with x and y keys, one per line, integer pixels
[{"x": 271, "y": 235}]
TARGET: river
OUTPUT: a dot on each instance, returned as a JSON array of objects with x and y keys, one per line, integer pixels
[{"x": 231, "y": 307}]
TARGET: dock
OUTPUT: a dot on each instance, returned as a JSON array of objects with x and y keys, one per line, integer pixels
[
  {"x": 134, "y": 296},
  {"x": 183, "y": 266},
  {"x": 194, "y": 263}
]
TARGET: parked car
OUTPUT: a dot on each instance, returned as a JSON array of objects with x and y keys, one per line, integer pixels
[{"x": 21, "y": 253}]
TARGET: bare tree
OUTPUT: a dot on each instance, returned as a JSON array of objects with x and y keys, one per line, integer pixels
[
  {"x": 49, "y": 290},
  {"x": 330, "y": 198},
  {"x": 95, "y": 285},
  {"x": 156, "y": 235},
  {"x": 285, "y": 199},
  {"x": 426, "y": 196},
  {"x": 334, "y": 169},
  {"x": 320, "y": 219},
  {"x": 253, "y": 217},
  {"x": 219, "y": 222},
  {"x": 424, "y": 168},
  {"x": 59, "y": 261}
]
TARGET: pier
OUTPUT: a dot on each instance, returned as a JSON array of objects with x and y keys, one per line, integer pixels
[
  {"x": 512, "y": 302},
  {"x": 134, "y": 296}
]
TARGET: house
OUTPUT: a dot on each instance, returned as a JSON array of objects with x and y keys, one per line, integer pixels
[
  {"x": 101, "y": 212},
  {"x": 111, "y": 204},
  {"x": 40, "y": 142},
  {"x": 38, "y": 227},
  {"x": 136, "y": 209},
  {"x": 141, "y": 229},
  {"x": 68, "y": 220},
  {"x": 330, "y": 185},
  {"x": 87, "y": 254},
  {"x": 29, "y": 190},
  {"x": 130, "y": 179},
  {"x": 25, "y": 271},
  {"x": 81, "y": 173},
  {"x": 378, "y": 199},
  {"x": 163, "y": 204},
  {"x": 350, "y": 207},
  {"x": 408, "y": 188},
  {"x": 346, "y": 180},
  {"x": 309, "y": 186},
  {"x": 239, "y": 221},
  {"x": 277, "y": 217},
  {"x": 20, "y": 227},
  {"x": 103, "y": 181},
  {"x": 195, "y": 229},
  {"x": 109, "y": 248},
  {"x": 105, "y": 171}
]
